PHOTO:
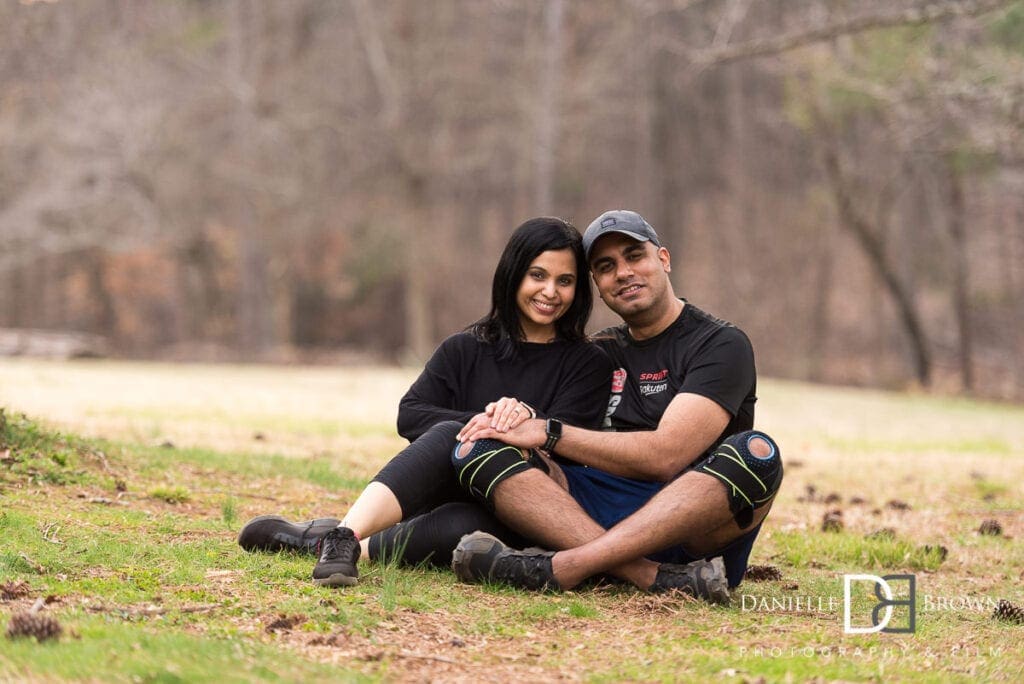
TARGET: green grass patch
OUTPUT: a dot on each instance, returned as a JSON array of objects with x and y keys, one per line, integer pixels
[
  {"x": 107, "y": 649},
  {"x": 171, "y": 494},
  {"x": 36, "y": 455},
  {"x": 229, "y": 512},
  {"x": 988, "y": 490},
  {"x": 147, "y": 590},
  {"x": 846, "y": 550},
  {"x": 154, "y": 461}
]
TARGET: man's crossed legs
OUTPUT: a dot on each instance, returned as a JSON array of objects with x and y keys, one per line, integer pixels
[{"x": 693, "y": 515}]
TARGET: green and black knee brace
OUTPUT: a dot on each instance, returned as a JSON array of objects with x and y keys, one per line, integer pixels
[
  {"x": 751, "y": 481},
  {"x": 487, "y": 463}
]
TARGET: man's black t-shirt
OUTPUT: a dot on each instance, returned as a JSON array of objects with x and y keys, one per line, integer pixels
[
  {"x": 698, "y": 353},
  {"x": 565, "y": 380}
]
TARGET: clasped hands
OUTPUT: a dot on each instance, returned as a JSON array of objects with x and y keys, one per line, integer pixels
[{"x": 508, "y": 420}]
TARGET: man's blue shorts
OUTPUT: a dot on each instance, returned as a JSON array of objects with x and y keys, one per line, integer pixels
[{"x": 609, "y": 499}]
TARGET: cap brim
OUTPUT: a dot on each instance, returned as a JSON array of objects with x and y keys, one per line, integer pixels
[{"x": 628, "y": 233}]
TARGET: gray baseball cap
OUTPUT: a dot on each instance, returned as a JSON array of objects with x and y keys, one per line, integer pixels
[{"x": 619, "y": 221}]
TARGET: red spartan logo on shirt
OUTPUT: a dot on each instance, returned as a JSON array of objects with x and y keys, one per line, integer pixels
[
  {"x": 619, "y": 380},
  {"x": 654, "y": 377}
]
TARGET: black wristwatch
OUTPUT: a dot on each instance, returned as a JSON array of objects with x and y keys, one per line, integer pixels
[{"x": 553, "y": 428}]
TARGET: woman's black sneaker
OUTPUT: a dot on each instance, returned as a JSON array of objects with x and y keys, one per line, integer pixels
[
  {"x": 274, "y": 533},
  {"x": 339, "y": 553}
]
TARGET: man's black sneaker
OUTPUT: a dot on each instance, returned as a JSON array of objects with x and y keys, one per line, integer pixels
[
  {"x": 702, "y": 579},
  {"x": 482, "y": 557},
  {"x": 274, "y": 533},
  {"x": 339, "y": 553}
]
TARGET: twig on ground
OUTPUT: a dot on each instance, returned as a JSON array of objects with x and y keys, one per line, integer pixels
[
  {"x": 154, "y": 610},
  {"x": 50, "y": 533},
  {"x": 39, "y": 569},
  {"x": 424, "y": 656}
]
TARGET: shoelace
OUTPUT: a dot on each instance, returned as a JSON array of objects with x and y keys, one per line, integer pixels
[
  {"x": 335, "y": 545},
  {"x": 534, "y": 567},
  {"x": 699, "y": 577},
  {"x": 695, "y": 582}
]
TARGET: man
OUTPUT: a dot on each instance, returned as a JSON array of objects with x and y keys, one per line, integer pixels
[{"x": 677, "y": 475}]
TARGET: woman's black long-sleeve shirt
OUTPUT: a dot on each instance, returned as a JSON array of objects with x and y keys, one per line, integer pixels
[{"x": 565, "y": 380}]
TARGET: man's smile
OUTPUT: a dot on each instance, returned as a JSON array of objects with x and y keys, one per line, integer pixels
[{"x": 629, "y": 290}]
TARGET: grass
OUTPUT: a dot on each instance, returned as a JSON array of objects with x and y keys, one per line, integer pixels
[
  {"x": 120, "y": 505},
  {"x": 839, "y": 551}
]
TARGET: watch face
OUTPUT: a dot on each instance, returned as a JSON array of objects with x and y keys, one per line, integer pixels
[{"x": 554, "y": 427}]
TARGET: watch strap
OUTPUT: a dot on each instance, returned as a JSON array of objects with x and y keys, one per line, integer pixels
[{"x": 553, "y": 428}]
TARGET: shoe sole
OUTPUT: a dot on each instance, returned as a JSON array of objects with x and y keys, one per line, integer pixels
[
  {"x": 302, "y": 537},
  {"x": 336, "y": 580},
  {"x": 469, "y": 546}
]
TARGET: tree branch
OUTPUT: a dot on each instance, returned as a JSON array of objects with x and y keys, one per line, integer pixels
[
  {"x": 380, "y": 67},
  {"x": 929, "y": 13}
]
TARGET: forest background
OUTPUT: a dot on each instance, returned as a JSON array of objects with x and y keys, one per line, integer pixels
[{"x": 319, "y": 181}]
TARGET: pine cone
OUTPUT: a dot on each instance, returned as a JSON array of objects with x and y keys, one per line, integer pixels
[
  {"x": 1009, "y": 612},
  {"x": 284, "y": 622},
  {"x": 809, "y": 494},
  {"x": 41, "y": 627},
  {"x": 14, "y": 589},
  {"x": 833, "y": 521},
  {"x": 762, "y": 573},
  {"x": 991, "y": 528}
]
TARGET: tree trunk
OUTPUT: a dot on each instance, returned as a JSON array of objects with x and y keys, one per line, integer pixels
[
  {"x": 667, "y": 196},
  {"x": 548, "y": 108},
  {"x": 961, "y": 297},
  {"x": 254, "y": 305},
  {"x": 818, "y": 338},
  {"x": 407, "y": 151},
  {"x": 418, "y": 329},
  {"x": 1014, "y": 239},
  {"x": 874, "y": 250},
  {"x": 106, "y": 319},
  {"x": 16, "y": 312}
]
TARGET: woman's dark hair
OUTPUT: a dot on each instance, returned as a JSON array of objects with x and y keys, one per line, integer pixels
[{"x": 501, "y": 326}]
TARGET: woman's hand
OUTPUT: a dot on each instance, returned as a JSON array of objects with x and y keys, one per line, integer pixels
[
  {"x": 499, "y": 416},
  {"x": 508, "y": 413}
]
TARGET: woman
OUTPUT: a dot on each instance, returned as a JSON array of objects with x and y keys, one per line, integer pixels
[{"x": 531, "y": 346}]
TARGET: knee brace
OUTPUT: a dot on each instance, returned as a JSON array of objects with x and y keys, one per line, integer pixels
[
  {"x": 751, "y": 481},
  {"x": 487, "y": 463}
]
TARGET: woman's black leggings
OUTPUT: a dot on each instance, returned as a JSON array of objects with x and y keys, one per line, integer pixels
[
  {"x": 436, "y": 511},
  {"x": 431, "y": 537},
  {"x": 421, "y": 475}
]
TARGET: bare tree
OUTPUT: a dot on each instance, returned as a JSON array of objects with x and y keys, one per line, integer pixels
[
  {"x": 956, "y": 225},
  {"x": 267, "y": 180},
  {"x": 547, "y": 105}
]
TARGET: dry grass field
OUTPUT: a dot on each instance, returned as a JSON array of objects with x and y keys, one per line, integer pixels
[{"x": 187, "y": 453}]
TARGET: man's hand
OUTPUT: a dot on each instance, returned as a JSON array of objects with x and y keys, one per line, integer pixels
[
  {"x": 528, "y": 434},
  {"x": 481, "y": 421}
]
